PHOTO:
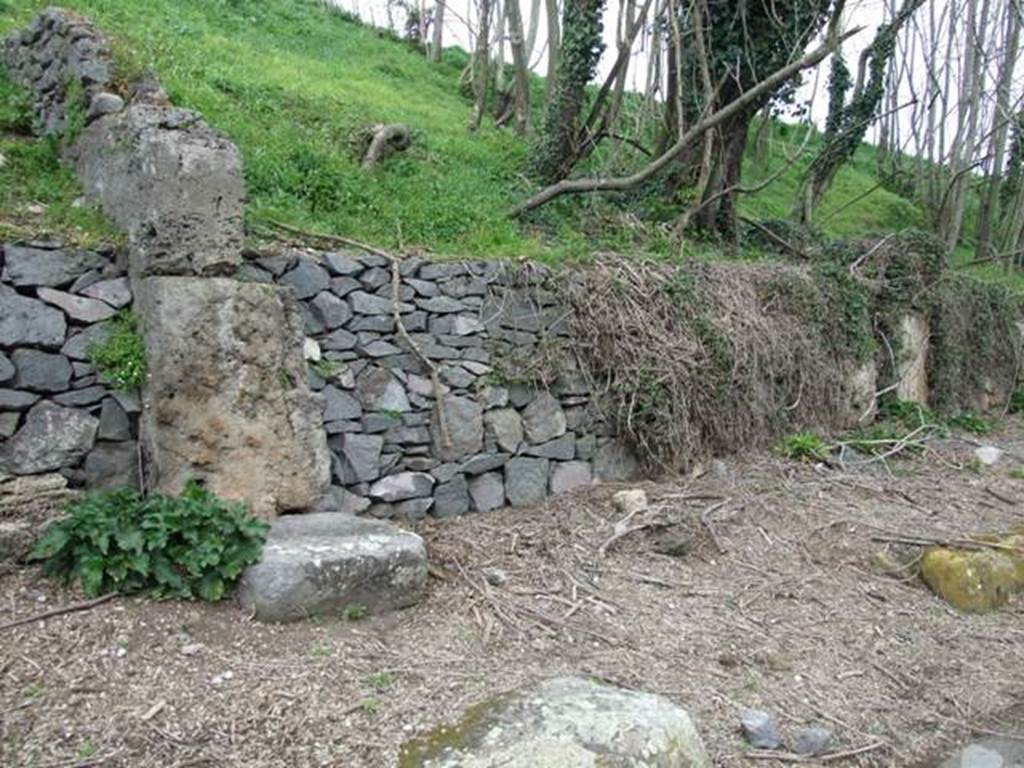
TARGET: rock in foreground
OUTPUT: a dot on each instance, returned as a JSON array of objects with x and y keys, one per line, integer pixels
[
  {"x": 565, "y": 721},
  {"x": 989, "y": 753},
  {"x": 325, "y": 563}
]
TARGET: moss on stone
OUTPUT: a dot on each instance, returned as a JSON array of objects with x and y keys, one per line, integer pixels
[{"x": 978, "y": 581}]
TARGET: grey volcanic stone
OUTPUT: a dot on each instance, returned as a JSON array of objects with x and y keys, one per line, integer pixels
[
  {"x": 7, "y": 369},
  {"x": 445, "y": 472},
  {"x": 115, "y": 292},
  {"x": 8, "y": 423},
  {"x": 451, "y": 499},
  {"x": 51, "y": 438},
  {"x": 339, "y": 340},
  {"x": 568, "y": 475},
  {"x": 760, "y": 729},
  {"x": 233, "y": 410},
  {"x": 306, "y": 279},
  {"x": 340, "y": 405},
  {"x": 506, "y": 427},
  {"x": 614, "y": 462},
  {"x": 543, "y": 419},
  {"x": 77, "y": 347},
  {"x": 412, "y": 509},
  {"x": 342, "y": 264},
  {"x": 114, "y": 422},
  {"x": 112, "y": 465},
  {"x": 104, "y": 103},
  {"x": 563, "y": 448},
  {"x": 79, "y": 397},
  {"x": 172, "y": 183},
  {"x": 565, "y": 722},
  {"x": 379, "y": 348},
  {"x": 321, "y": 564},
  {"x": 526, "y": 481},
  {"x": 30, "y": 322},
  {"x": 343, "y": 286},
  {"x": 25, "y": 266},
  {"x": 988, "y": 753},
  {"x": 379, "y": 390},
  {"x": 464, "y": 421},
  {"x": 424, "y": 288},
  {"x": 493, "y": 397},
  {"x": 487, "y": 491},
  {"x": 814, "y": 740},
  {"x": 13, "y": 399},
  {"x": 334, "y": 312},
  {"x": 41, "y": 371},
  {"x": 441, "y": 305},
  {"x": 404, "y": 485},
  {"x": 484, "y": 462},
  {"x": 368, "y": 304},
  {"x": 77, "y": 307},
  {"x": 360, "y": 456}
]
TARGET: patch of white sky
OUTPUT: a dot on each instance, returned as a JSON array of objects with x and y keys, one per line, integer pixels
[{"x": 460, "y": 23}]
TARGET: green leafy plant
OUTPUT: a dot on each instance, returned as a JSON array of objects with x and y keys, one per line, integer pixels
[
  {"x": 971, "y": 422},
  {"x": 327, "y": 369},
  {"x": 1017, "y": 402},
  {"x": 354, "y": 612},
  {"x": 193, "y": 545},
  {"x": 804, "y": 446},
  {"x": 121, "y": 358}
]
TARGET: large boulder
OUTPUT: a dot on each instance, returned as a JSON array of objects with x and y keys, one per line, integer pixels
[
  {"x": 975, "y": 580},
  {"x": 327, "y": 563},
  {"x": 226, "y": 399},
  {"x": 172, "y": 183},
  {"x": 566, "y": 721}
]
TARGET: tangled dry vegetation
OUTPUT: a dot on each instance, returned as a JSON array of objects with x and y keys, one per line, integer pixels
[
  {"x": 697, "y": 359},
  {"x": 750, "y": 584}
]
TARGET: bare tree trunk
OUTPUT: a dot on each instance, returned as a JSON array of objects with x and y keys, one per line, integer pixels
[
  {"x": 521, "y": 85},
  {"x": 482, "y": 59},
  {"x": 438, "y": 37},
  {"x": 951, "y": 211},
  {"x": 554, "y": 50},
  {"x": 532, "y": 27},
  {"x": 1001, "y": 120}
]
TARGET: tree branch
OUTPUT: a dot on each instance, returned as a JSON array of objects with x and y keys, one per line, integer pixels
[{"x": 623, "y": 183}]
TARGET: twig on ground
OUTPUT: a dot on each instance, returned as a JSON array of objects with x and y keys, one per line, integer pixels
[
  {"x": 705, "y": 519},
  {"x": 73, "y": 608},
  {"x": 792, "y": 757}
]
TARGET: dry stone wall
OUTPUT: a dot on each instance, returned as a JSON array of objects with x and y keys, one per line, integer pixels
[
  {"x": 226, "y": 400},
  {"x": 56, "y": 414},
  {"x": 497, "y": 436}
]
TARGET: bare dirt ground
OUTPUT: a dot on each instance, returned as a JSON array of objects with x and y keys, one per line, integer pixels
[{"x": 775, "y": 604}]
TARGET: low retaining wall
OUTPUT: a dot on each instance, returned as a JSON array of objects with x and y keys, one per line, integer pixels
[
  {"x": 56, "y": 414},
  {"x": 505, "y": 439}
]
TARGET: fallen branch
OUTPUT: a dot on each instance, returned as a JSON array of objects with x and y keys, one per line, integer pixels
[
  {"x": 385, "y": 140},
  {"x": 73, "y": 608},
  {"x": 705, "y": 519}
]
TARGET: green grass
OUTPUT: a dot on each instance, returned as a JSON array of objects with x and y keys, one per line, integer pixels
[
  {"x": 39, "y": 197},
  {"x": 291, "y": 82}
]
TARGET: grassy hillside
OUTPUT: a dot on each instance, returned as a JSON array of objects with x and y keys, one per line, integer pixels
[{"x": 290, "y": 81}]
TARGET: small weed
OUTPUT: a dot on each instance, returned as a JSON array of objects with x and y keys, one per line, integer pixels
[
  {"x": 121, "y": 359},
  {"x": 354, "y": 612},
  {"x": 86, "y": 749},
  {"x": 381, "y": 680},
  {"x": 327, "y": 369},
  {"x": 321, "y": 650},
  {"x": 1017, "y": 473},
  {"x": 804, "y": 446},
  {"x": 975, "y": 465},
  {"x": 371, "y": 706},
  {"x": 34, "y": 690}
]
